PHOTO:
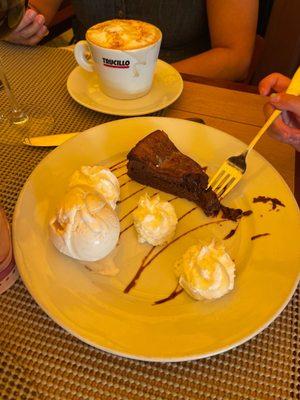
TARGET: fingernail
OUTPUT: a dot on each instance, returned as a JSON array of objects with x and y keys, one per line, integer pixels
[
  {"x": 274, "y": 98},
  {"x": 31, "y": 14},
  {"x": 40, "y": 19}
]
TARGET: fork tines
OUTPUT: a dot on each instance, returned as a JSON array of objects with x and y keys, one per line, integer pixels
[{"x": 225, "y": 179}]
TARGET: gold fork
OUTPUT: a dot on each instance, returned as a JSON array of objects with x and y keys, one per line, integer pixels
[{"x": 232, "y": 170}]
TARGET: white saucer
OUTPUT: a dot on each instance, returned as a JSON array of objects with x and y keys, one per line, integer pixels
[{"x": 167, "y": 86}]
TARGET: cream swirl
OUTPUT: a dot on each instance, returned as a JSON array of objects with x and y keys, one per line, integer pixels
[
  {"x": 123, "y": 34},
  {"x": 154, "y": 220},
  {"x": 100, "y": 179},
  {"x": 206, "y": 272}
]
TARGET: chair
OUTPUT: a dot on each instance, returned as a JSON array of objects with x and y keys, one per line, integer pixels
[
  {"x": 256, "y": 57},
  {"x": 281, "y": 51}
]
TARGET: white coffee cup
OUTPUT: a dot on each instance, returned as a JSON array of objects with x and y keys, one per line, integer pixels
[{"x": 123, "y": 73}]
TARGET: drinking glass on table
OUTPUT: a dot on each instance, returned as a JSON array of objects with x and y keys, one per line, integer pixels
[{"x": 28, "y": 120}]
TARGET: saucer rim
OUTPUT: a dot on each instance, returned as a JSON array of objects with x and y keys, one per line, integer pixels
[{"x": 158, "y": 107}]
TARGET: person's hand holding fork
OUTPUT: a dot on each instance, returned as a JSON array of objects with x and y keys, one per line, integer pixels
[{"x": 286, "y": 128}]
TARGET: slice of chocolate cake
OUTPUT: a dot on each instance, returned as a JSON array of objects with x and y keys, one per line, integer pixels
[{"x": 156, "y": 162}]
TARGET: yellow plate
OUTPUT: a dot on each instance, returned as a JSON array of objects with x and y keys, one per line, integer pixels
[{"x": 95, "y": 308}]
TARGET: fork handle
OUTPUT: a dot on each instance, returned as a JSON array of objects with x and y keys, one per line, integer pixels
[
  {"x": 262, "y": 130},
  {"x": 293, "y": 88}
]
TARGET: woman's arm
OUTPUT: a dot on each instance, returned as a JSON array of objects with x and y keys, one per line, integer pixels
[
  {"x": 47, "y": 8},
  {"x": 232, "y": 26}
]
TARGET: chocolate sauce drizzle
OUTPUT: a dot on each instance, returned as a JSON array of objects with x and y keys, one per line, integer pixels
[
  {"x": 187, "y": 213},
  {"x": 263, "y": 199},
  {"x": 125, "y": 229},
  {"x": 231, "y": 233},
  {"x": 178, "y": 289},
  {"x": 132, "y": 194},
  {"x": 125, "y": 183},
  {"x": 146, "y": 263},
  {"x": 120, "y": 176},
  {"x": 132, "y": 283},
  {"x": 117, "y": 166},
  {"x": 141, "y": 268},
  {"x": 129, "y": 212},
  {"x": 172, "y": 296},
  {"x": 154, "y": 194},
  {"x": 260, "y": 235}
]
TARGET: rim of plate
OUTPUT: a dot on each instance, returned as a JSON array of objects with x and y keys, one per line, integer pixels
[{"x": 141, "y": 357}]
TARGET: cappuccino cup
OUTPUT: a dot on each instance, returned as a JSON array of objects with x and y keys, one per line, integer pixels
[{"x": 123, "y": 53}]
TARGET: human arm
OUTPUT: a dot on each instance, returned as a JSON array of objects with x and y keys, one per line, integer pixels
[
  {"x": 46, "y": 7},
  {"x": 285, "y": 128},
  {"x": 33, "y": 26},
  {"x": 232, "y": 26}
]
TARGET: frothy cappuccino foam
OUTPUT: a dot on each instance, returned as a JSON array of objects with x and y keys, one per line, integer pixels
[{"x": 123, "y": 34}]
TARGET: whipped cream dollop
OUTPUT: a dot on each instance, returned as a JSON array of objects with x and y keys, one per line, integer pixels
[
  {"x": 100, "y": 179},
  {"x": 85, "y": 226},
  {"x": 206, "y": 272},
  {"x": 154, "y": 220}
]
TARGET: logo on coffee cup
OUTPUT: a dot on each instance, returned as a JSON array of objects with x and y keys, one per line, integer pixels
[{"x": 108, "y": 62}]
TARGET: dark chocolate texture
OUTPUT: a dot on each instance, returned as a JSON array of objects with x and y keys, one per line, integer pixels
[{"x": 156, "y": 162}]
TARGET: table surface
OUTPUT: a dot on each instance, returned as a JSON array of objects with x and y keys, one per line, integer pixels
[{"x": 38, "y": 360}]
